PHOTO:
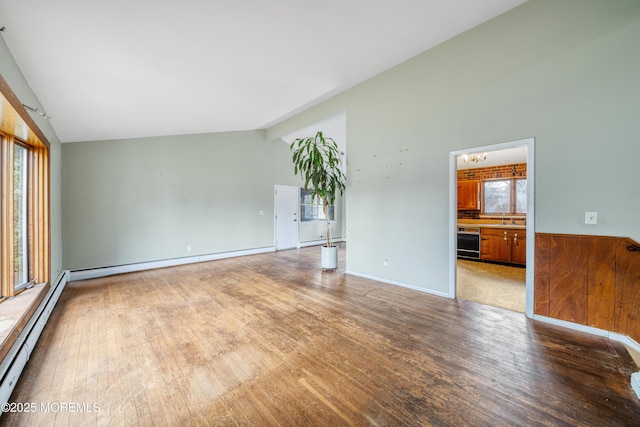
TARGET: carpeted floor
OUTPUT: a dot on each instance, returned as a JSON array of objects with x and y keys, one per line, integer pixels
[{"x": 492, "y": 284}]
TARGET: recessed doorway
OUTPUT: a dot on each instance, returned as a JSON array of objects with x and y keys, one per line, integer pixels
[{"x": 492, "y": 219}]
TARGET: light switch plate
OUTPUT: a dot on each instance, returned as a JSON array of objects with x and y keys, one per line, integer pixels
[{"x": 591, "y": 217}]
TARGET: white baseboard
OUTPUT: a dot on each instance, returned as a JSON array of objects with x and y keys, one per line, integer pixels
[
  {"x": 15, "y": 360},
  {"x": 93, "y": 273},
  {"x": 319, "y": 242},
  {"x": 223, "y": 255},
  {"x": 571, "y": 325},
  {"x": 403, "y": 285},
  {"x": 624, "y": 339}
]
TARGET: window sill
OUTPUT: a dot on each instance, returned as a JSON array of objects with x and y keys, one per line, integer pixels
[{"x": 15, "y": 314}]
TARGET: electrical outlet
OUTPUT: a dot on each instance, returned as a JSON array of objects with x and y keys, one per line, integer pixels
[
  {"x": 260, "y": 213},
  {"x": 188, "y": 248},
  {"x": 385, "y": 262},
  {"x": 591, "y": 217}
]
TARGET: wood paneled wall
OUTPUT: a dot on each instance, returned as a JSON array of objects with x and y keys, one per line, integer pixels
[{"x": 589, "y": 280}]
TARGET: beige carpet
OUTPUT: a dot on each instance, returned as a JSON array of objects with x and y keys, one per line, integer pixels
[{"x": 496, "y": 285}]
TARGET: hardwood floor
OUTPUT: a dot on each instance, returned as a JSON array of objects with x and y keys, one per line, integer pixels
[{"x": 272, "y": 340}]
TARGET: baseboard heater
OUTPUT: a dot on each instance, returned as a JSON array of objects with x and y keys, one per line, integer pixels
[{"x": 16, "y": 359}]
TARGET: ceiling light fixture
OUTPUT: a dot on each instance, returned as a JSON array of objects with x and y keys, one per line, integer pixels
[
  {"x": 475, "y": 158},
  {"x": 36, "y": 110}
]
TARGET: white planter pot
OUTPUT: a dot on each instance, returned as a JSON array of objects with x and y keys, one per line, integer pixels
[{"x": 329, "y": 258}]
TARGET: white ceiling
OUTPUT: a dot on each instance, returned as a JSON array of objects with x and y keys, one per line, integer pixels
[
  {"x": 123, "y": 69},
  {"x": 507, "y": 156}
]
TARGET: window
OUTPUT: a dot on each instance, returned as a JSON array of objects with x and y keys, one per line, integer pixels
[
  {"x": 311, "y": 209},
  {"x": 521, "y": 195},
  {"x": 505, "y": 196},
  {"x": 20, "y": 249},
  {"x": 24, "y": 200}
]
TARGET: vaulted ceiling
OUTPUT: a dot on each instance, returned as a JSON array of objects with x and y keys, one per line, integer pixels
[{"x": 124, "y": 69}]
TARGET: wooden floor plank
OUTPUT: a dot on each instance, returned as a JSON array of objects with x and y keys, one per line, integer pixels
[{"x": 272, "y": 340}]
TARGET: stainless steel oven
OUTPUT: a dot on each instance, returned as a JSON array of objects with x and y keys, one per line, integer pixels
[{"x": 469, "y": 242}]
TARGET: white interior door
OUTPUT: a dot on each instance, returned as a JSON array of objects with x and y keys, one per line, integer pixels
[{"x": 286, "y": 211}]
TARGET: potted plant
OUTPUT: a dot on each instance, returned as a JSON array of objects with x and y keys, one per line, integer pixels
[{"x": 317, "y": 160}]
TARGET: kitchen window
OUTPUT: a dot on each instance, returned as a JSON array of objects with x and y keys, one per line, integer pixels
[{"x": 504, "y": 196}]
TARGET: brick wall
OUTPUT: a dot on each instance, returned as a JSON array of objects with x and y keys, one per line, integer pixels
[
  {"x": 503, "y": 171},
  {"x": 492, "y": 172}
]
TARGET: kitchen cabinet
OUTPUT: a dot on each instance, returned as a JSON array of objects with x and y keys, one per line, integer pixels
[
  {"x": 506, "y": 245},
  {"x": 468, "y": 195},
  {"x": 519, "y": 247}
]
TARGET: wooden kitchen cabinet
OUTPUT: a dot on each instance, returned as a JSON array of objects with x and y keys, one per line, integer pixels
[
  {"x": 519, "y": 247},
  {"x": 495, "y": 245},
  {"x": 468, "y": 195},
  {"x": 503, "y": 245}
]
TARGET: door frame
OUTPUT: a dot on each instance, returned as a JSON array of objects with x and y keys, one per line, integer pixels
[
  {"x": 275, "y": 213},
  {"x": 453, "y": 213}
]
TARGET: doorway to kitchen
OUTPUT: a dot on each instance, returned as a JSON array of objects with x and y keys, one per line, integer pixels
[{"x": 492, "y": 225}]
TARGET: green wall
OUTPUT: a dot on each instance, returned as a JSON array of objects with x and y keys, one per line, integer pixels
[
  {"x": 564, "y": 72},
  {"x": 13, "y": 76},
  {"x": 147, "y": 199}
]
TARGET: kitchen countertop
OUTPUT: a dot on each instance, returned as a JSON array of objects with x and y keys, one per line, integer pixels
[
  {"x": 486, "y": 225},
  {"x": 518, "y": 226}
]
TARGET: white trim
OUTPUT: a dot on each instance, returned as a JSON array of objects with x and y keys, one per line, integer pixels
[
  {"x": 320, "y": 242},
  {"x": 312, "y": 243},
  {"x": 404, "y": 285},
  {"x": 531, "y": 227},
  {"x": 624, "y": 339},
  {"x": 575, "y": 326},
  {"x": 93, "y": 273},
  {"x": 453, "y": 213},
  {"x": 275, "y": 214},
  {"x": 15, "y": 360},
  {"x": 223, "y": 255},
  {"x": 453, "y": 222}
]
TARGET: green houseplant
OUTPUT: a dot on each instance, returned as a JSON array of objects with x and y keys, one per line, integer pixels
[{"x": 317, "y": 160}]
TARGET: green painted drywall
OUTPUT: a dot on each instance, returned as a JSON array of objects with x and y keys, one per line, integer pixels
[
  {"x": 13, "y": 76},
  {"x": 147, "y": 199},
  {"x": 564, "y": 72},
  {"x": 137, "y": 200}
]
